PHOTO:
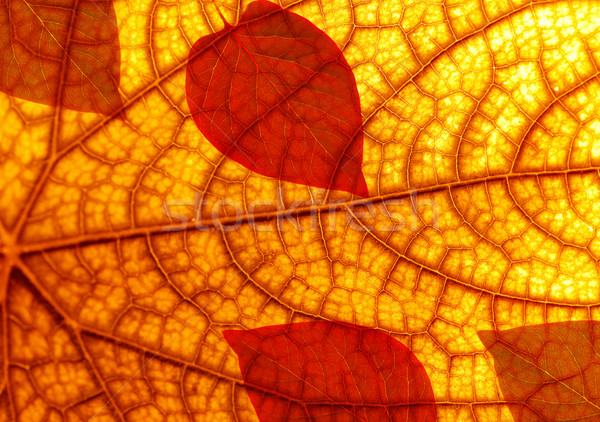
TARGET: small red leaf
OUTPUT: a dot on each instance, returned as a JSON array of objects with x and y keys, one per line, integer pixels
[
  {"x": 275, "y": 94},
  {"x": 548, "y": 372},
  {"x": 326, "y": 371},
  {"x": 61, "y": 53}
]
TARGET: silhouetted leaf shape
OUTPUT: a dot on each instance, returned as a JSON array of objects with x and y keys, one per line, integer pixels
[
  {"x": 549, "y": 372},
  {"x": 63, "y": 53},
  {"x": 325, "y": 371},
  {"x": 275, "y": 94}
]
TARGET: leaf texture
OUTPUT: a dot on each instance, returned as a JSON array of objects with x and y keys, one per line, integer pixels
[
  {"x": 548, "y": 371},
  {"x": 62, "y": 53},
  {"x": 330, "y": 371},
  {"x": 275, "y": 94},
  {"x": 128, "y": 247}
]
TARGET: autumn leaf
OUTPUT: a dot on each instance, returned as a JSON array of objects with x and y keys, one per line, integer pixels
[
  {"x": 549, "y": 371},
  {"x": 128, "y": 247},
  {"x": 275, "y": 94},
  {"x": 61, "y": 53},
  {"x": 330, "y": 371}
]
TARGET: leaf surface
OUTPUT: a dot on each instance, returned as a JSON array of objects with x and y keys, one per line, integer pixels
[
  {"x": 62, "y": 53},
  {"x": 548, "y": 371},
  {"x": 276, "y": 94},
  {"x": 139, "y": 242},
  {"x": 330, "y": 371}
]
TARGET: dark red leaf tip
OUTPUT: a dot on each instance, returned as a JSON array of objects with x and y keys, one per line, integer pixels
[
  {"x": 276, "y": 94},
  {"x": 331, "y": 372}
]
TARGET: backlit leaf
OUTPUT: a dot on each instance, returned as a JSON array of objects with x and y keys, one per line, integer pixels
[
  {"x": 330, "y": 371},
  {"x": 63, "y": 53},
  {"x": 127, "y": 247},
  {"x": 549, "y": 372},
  {"x": 276, "y": 94}
]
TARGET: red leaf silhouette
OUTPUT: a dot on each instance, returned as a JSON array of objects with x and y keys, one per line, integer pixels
[
  {"x": 327, "y": 371},
  {"x": 61, "y": 53},
  {"x": 275, "y": 94},
  {"x": 549, "y": 372}
]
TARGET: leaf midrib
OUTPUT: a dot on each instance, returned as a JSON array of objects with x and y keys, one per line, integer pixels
[{"x": 101, "y": 236}]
